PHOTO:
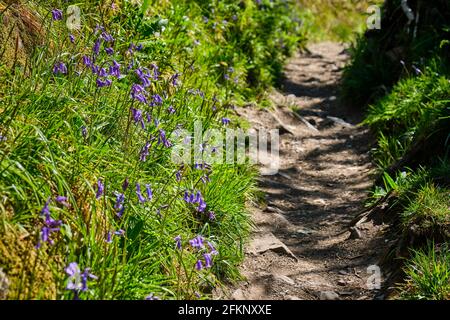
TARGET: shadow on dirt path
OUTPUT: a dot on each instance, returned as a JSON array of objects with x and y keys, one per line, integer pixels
[{"x": 302, "y": 247}]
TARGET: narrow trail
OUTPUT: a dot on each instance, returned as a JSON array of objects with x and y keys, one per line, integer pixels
[{"x": 302, "y": 247}]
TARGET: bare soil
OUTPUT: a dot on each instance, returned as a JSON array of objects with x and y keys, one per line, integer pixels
[{"x": 302, "y": 247}]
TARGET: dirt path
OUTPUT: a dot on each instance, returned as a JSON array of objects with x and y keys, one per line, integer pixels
[{"x": 302, "y": 247}]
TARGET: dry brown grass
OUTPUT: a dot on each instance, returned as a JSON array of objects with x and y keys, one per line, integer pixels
[{"x": 21, "y": 30}]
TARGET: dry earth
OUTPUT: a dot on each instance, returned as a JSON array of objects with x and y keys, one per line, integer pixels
[{"x": 302, "y": 247}]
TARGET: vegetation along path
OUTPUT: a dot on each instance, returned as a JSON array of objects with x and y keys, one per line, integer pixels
[{"x": 303, "y": 247}]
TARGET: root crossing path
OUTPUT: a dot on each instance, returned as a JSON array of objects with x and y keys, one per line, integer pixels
[{"x": 302, "y": 246}]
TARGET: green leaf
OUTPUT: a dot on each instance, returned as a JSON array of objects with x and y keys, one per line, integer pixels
[{"x": 145, "y": 6}]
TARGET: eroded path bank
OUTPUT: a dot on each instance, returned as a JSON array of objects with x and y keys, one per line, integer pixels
[{"x": 302, "y": 247}]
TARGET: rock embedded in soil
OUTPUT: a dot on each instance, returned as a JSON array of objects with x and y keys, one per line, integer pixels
[
  {"x": 263, "y": 242},
  {"x": 329, "y": 295},
  {"x": 285, "y": 279},
  {"x": 4, "y": 285},
  {"x": 355, "y": 233}
]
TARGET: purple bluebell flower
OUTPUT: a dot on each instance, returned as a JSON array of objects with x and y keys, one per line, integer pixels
[
  {"x": 95, "y": 69},
  {"x": 137, "y": 115},
  {"x": 120, "y": 198},
  {"x": 99, "y": 28},
  {"x": 84, "y": 132},
  {"x": 139, "y": 194},
  {"x": 171, "y": 109},
  {"x": 226, "y": 121},
  {"x": 120, "y": 212},
  {"x": 198, "y": 197},
  {"x": 151, "y": 297},
  {"x": 198, "y": 166},
  {"x": 87, "y": 61},
  {"x": 234, "y": 17},
  {"x": 149, "y": 117},
  {"x": 230, "y": 70},
  {"x": 44, "y": 236},
  {"x": 109, "y": 237},
  {"x": 96, "y": 48},
  {"x": 208, "y": 260},
  {"x": 107, "y": 37},
  {"x": 103, "y": 83},
  {"x": 417, "y": 71},
  {"x": 100, "y": 189},
  {"x": 114, "y": 70},
  {"x": 78, "y": 280},
  {"x": 3, "y": 138},
  {"x": 84, "y": 278},
  {"x": 50, "y": 226},
  {"x": 174, "y": 79},
  {"x": 196, "y": 42},
  {"x": 187, "y": 197},
  {"x": 62, "y": 200},
  {"x": 197, "y": 242},
  {"x": 109, "y": 51},
  {"x": 119, "y": 232},
  {"x": 178, "y": 175},
  {"x": 212, "y": 249},
  {"x": 205, "y": 179},
  {"x": 125, "y": 184},
  {"x": 144, "y": 77},
  {"x": 144, "y": 152},
  {"x": 163, "y": 139},
  {"x": 57, "y": 14},
  {"x": 60, "y": 67},
  {"x": 138, "y": 93},
  {"x": 131, "y": 47},
  {"x": 205, "y": 19},
  {"x": 157, "y": 100},
  {"x": 178, "y": 242},
  {"x": 46, "y": 210},
  {"x": 226, "y": 76},
  {"x": 74, "y": 273},
  {"x": 139, "y": 47},
  {"x": 199, "y": 265},
  {"x": 149, "y": 192},
  {"x": 201, "y": 205},
  {"x": 212, "y": 215},
  {"x": 155, "y": 71},
  {"x": 101, "y": 72},
  {"x": 72, "y": 38}
]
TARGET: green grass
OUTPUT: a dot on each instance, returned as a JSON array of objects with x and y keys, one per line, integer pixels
[
  {"x": 400, "y": 76},
  {"x": 428, "y": 274},
  {"x": 62, "y": 134},
  {"x": 429, "y": 209},
  {"x": 415, "y": 111}
]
